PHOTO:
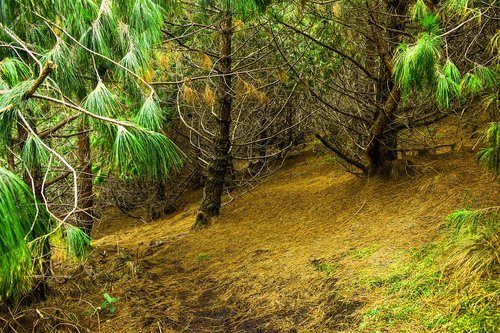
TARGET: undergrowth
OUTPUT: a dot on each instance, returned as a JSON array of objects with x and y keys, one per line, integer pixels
[{"x": 450, "y": 286}]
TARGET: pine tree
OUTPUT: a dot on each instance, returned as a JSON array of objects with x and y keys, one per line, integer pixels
[{"x": 67, "y": 62}]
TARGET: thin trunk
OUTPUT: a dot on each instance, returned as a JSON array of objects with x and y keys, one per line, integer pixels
[
  {"x": 382, "y": 146},
  {"x": 217, "y": 168},
  {"x": 85, "y": 218},
  {"x": 377, "y": 148},
  {"x": 10, "y": 155}
]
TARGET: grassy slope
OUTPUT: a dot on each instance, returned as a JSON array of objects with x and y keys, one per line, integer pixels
[{"x": 314, "y": 249}]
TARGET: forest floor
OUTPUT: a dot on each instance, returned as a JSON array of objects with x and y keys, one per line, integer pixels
[{"x": 310, "y": 250}]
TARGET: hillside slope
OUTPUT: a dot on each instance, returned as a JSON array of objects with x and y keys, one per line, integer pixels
[{"x": 303, "y": 252}]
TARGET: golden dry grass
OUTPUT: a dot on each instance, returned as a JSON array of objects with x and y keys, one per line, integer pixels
[{"x": 300, "y": 253}]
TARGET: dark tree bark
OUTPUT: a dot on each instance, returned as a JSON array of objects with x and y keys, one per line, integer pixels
[
  {"x": 382, "y": 146},
  {"x": 85, "y": 219},
  {"x": 217, "y": 168}
]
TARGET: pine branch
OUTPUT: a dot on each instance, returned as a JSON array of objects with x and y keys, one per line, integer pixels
[
  {"x": 52, "y": 130},
  {"x": 328, "y": 47},
  {"x": 343, "y": 156},
  {"x": 46, "y": 70}
]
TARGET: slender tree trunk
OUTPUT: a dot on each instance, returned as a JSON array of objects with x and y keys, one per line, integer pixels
[
  {"x": 85, "y": 218},
  {"x": 10, "y": 155},
  {"x": 217, "y": 168},
  {"x": 383, "y": 142},
  {"x": 377, "y": 148}
]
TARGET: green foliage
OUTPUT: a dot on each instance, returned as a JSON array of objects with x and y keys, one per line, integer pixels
[
  {"x": 14, "y": 71},
  {"x": 109, "y": 303},
  {"x": 77, "y": 241},
  {"x": 150, "y": 115},
  {"x": 447, "y": 84},
  {"x": 457, "y": 6},
  {"x": 140, "y": 152},
  {"x": 202, "y": 257},
  {"x": 415, "y": 65},
  {"x": 237, "y": 7},
  {"x": 102, "y": 102},
  {"x": 419, "y": 11},
  {"x": 331, "y": 159},
  {"x": 24, "y": 224},
  {"x": 451, "y": 71},
  {"x": 452, "y": 285},
  {"x": 490, "y": 156},
  {"x": 34, "y": 153},
  {"x": 146, "y": 18},
  {"x": 323, "y": 267},
  {"x": 66, "y": 74},
  {"x": 471, "y": 84},
  {"x": 430, "y": 23}
]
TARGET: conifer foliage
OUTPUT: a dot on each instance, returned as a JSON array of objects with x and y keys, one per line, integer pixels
[{"x": 72, "y": 70}]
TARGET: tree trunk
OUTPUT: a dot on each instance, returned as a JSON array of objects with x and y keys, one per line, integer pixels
[
  {"x": 377, "y": 147},
  {"x": 217, "y": 168},
  {"x": 382, "y": 146},
  {"x": 85, "y": 218}
]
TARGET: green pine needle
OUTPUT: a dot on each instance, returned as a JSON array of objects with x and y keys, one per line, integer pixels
[
  {"x": 77, "y": 240},
  {"x": 150, "y": 115},
  {"x": 443, "y": 91},
  {"x": 489, "y": 79},
  {"x": 430, "y": 23},
  {"x": 415, "y": 65},
  {"x": 24, "y": 224},
  {"x": 139, "y": 152},
  {"x": 146, "y": 20},
  {"x": 471, "y": 84},
  {"x": 490, "y": 156},
  {"x": 14, "y": 71},
  {"x": 34, "y": 152},
  {"x": 102, "y": 102},
  {"x": 419, "y": 11},
  {"x": 451, "y": 71}
]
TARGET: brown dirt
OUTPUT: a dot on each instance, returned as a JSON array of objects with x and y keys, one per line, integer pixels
[{"x": 289, "y": 256}]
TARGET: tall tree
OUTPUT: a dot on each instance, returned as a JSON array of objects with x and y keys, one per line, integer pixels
[{"x": 365, "y": 101}]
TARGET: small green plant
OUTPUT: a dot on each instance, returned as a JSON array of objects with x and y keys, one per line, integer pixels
[
  {"x": 326, "y": 268},
  {"x": 331, "y": 159},
  {"x": 108, "y": 304},
  {"x": 202, "y": 257},
  {"x": 362, "y": 252}
]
